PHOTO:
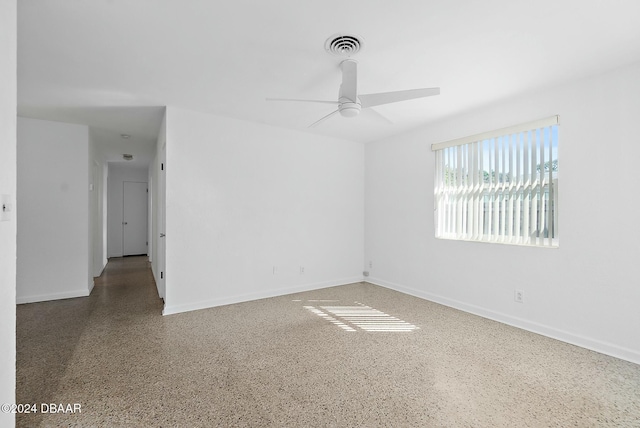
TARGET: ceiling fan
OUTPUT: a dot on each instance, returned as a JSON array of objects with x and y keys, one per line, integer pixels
[{"x": 350, "y": 103}]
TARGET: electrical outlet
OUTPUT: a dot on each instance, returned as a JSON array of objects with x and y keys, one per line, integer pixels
[
  {"x": 301, "y": 270},
  {"x": 519, "y": 296},
  {"x": 275, "y": 270},
  {"x": 370, "y": 264}
]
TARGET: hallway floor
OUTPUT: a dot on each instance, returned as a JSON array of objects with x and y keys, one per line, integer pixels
[
  {"x": 351, "y": 356},
  {"x": 89, "y": 350}
]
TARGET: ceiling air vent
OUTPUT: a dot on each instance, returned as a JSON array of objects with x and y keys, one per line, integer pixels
[
  {"x": 343, "y": 44},
  {"x": 127, "y": 156}
]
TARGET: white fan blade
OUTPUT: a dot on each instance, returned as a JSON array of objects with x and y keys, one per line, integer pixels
[
  {"x": 379, "y": 115},
  {"x": 371, "y": 100},
  {"x": 304, "y": 101},
  {"x": 317, "y": 122},
  {"x": 349, "y": 87}
]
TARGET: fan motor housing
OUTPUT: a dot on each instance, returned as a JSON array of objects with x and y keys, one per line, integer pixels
[{"x": 349, "y": 109}]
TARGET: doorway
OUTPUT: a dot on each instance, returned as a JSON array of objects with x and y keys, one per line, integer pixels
[
  {"x": 132, "y": 208},
  {"x": 134, "y": 218}
]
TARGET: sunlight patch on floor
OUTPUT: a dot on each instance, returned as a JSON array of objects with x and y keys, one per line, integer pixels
[
  {"x": 329, "y": 318},
  {"x": 360, "y": 316}
]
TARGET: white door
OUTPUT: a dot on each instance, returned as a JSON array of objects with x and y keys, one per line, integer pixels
[
  {"x": 134, "y": 218},
  {"x": 160, "y": 281}
]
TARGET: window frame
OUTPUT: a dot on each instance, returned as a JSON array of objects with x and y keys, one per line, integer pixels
[{"x": 501, "y": 205}]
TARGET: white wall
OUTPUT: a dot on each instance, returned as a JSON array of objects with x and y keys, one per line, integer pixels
[
  {"x": 244, "y": 197},
  {"x": 53, "y": 231},
  {"x": 586, "y": 292},
  {"x": 119, "y": 172},
  {"x": 8, "y": 85}
]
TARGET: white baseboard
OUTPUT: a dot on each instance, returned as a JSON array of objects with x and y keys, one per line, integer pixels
[
  {"x": 54, "y": 296},
  {"x": 534, "y": 327},
  {"x": 99, "y": 272},
  {"x": 169, "y": 309}
]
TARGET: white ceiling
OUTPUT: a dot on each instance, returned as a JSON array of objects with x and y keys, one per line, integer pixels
[{"x": 104, "y": 62}]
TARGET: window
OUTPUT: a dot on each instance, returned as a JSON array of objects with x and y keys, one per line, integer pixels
[{"x": 500, "y": 186}]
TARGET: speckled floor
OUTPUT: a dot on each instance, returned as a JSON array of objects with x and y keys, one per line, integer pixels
[{"x": 289, "y": 361}]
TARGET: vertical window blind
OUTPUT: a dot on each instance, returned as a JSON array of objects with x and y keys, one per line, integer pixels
[{"x": 500, "y": 186}]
